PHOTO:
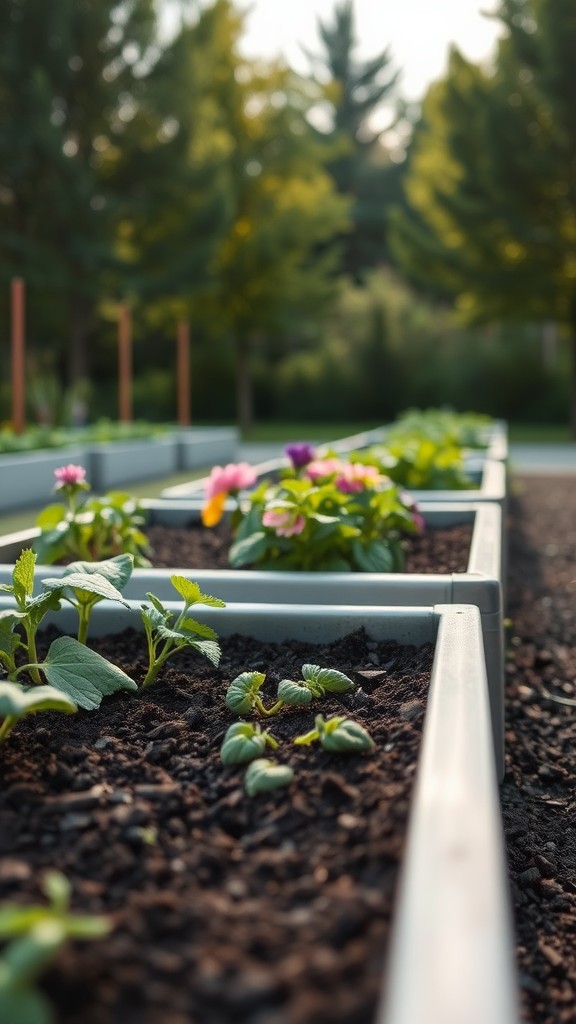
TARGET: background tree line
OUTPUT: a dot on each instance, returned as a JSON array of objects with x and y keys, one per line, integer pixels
[{"x": 323, "y": 274}]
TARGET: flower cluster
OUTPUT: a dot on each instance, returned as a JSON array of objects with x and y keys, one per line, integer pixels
[
  {"x": 349, "y": 477},
  {"x": 223, "y": 482}
]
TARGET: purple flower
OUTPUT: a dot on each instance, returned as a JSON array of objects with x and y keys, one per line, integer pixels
[{"x": 300, "y": 453}]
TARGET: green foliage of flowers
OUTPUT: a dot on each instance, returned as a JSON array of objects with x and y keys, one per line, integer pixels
[
  {"x": 419, "y": 463},
  {"x": 93, "y": 529},
  {"x": 306, "y": 525},
  {"x": 33, "y": 936}
]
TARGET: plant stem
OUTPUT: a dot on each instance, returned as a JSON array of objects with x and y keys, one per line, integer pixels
[
  {"x": 7, "y": 726},
  {"x": 32, "y": 653}
]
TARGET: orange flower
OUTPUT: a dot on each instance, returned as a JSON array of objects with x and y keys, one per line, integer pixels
[{"x": 213, "y": 510}]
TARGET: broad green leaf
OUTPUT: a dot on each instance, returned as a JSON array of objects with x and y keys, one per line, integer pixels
[
  {"x": 264, "y": 775},
  {"x": 329, "y": 678},
  {"x": 23, "y": 574},
  {"x": 15, "y": 701},
  {"x": 250, "y": 550},
  {"x": 373, "y": 557},
  {"x": 87, "y": 583},
  {"x": 51, "y": 516},
  {"x": 294, "y": 693},
  {"x": 116, "y": 570},
  {"x": 83, "y": 674}
]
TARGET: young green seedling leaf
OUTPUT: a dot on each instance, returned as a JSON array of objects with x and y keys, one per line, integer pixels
[
  {"x": 338, "y": 734},
  {"x": 328, "y": 679},
  {"x": 243, "y": 742},
  {"x": 295, "y": 693},
  {"x": 23, "y": 576},
  {"x": 16, "y": 702},
  {"x": 37, "y": 934},
  {"x": 166, "y": 634},
  {"x": 243, "y": 694},
  {"x": 264, "y": 775},
  {"x": 193, "y": 595}
]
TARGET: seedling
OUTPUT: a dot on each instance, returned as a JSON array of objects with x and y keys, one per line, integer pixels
[
  {"x": 338, "y": 734},
  {"x": 244, "y": 742},
  {"x": 16, "y": 703},
  {"x": 69, "y": 666},
  {"x": 166, "y": 633},
  {"x": 34, "y": 936},
  {"x": 243, "y": 694},
  {"x": 264, "y": 775}
]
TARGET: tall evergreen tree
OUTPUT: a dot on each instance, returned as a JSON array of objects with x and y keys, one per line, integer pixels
[
  {"x": 268, "y": 271},
  {"x": 97, "y": 179},
  {"x": 353, "y": 92},
  {"x": 492, "y": 181}
]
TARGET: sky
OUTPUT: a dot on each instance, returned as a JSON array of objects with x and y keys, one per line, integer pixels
[{"x": 417, "y": 32}]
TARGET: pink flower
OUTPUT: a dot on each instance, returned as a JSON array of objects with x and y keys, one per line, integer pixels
[
  {"x": 356, "y": 477},
  {"x": 233, "y": 477},
  {"x": 285, "y": 523},
  {"x": 70, "y": 475},
  {"x": 320, "y": 468}
]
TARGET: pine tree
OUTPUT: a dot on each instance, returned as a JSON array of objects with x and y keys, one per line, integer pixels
[
  {"x": 492, "y": 180},
  {"x": 353, "y": 91}
]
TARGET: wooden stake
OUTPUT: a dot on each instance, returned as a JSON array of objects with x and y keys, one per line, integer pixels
[
  {"x": 125, "y": 365},
  {"x": 18, "y": 355},
  {"x": 183, "y": 373}
]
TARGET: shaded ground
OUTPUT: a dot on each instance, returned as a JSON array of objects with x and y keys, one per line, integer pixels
[{"x": 538, "y": 794}]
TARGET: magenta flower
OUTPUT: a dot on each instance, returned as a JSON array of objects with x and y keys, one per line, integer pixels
[
  {"x": 300, "y": 453},
  {"x": 284, "y": 522},
  {"x": 70, "y": 475},
  {"x": 231, "y": 478}
]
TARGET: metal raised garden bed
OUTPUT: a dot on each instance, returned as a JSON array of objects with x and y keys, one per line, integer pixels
[
  {"x": 450, "y": 959},
  {"x": 480, "y": 585}
]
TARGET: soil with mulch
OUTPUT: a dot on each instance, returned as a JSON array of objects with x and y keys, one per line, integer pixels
[
  {"x": 538, "y": 794},
  {"x": 274, "y": 909},
  {"x": 436, "y": 550}
]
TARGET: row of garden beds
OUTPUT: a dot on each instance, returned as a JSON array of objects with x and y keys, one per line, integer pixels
[
  {"x": 441, "y": 928},
  {"x": 27, "y": 477}
]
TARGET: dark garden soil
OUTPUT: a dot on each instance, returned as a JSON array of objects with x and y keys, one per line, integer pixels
[
  {"x": 267, "y": 910},
  {"x": 276, "y": 909},
  {"x": 538, "y": 794},
  {"x": 441, "y": 550}
]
